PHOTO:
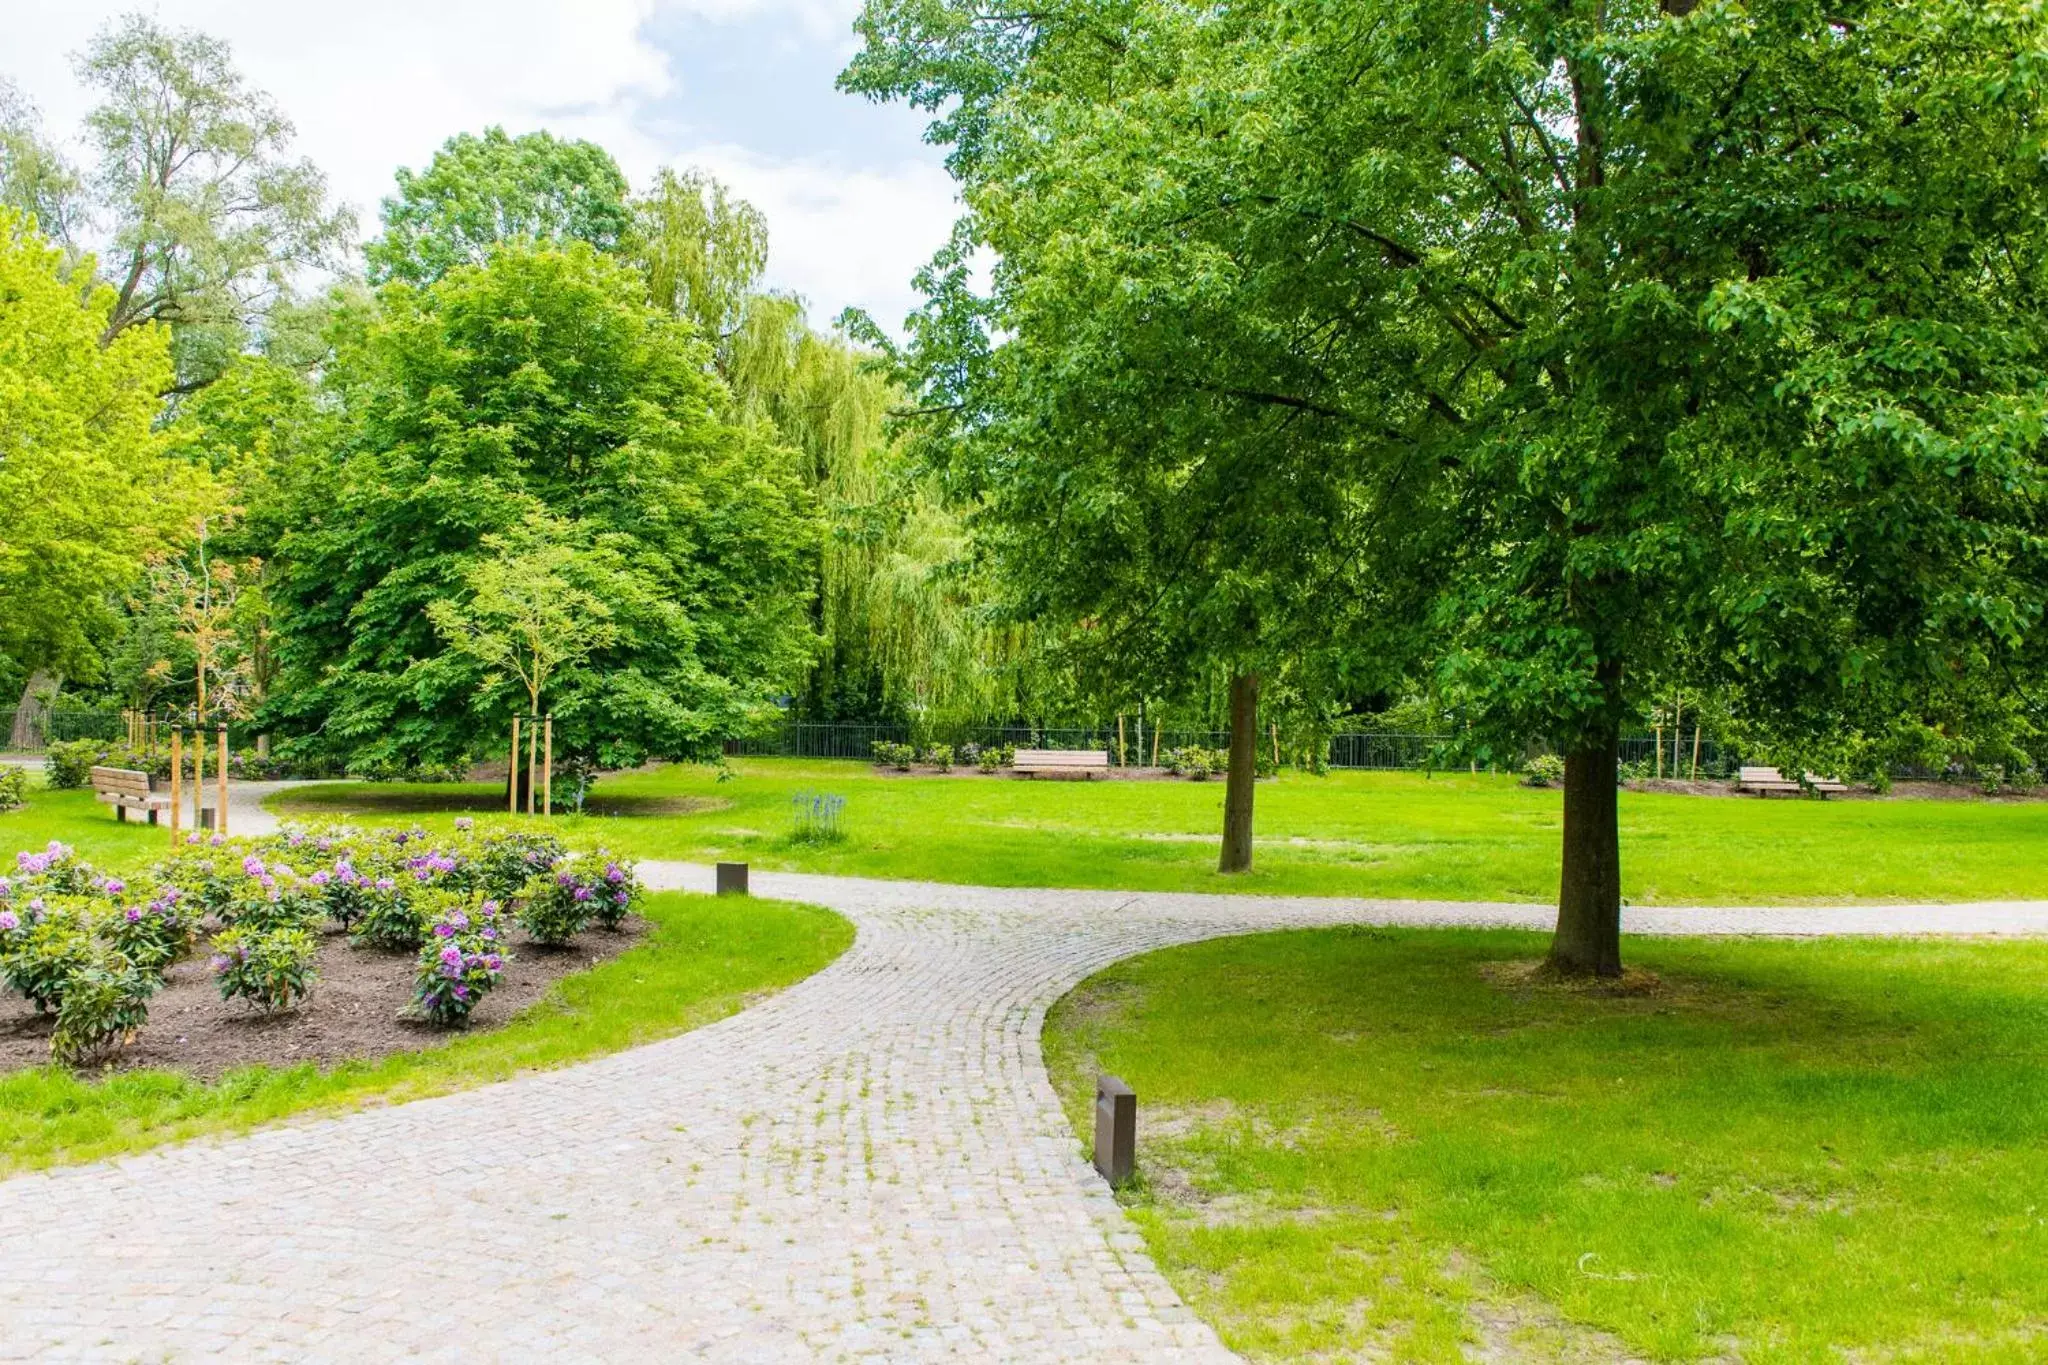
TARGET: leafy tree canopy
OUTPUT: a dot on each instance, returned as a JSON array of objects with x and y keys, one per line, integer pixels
[
  {"x": 1677, "y": 343},
  {"x": 207, "y": 219},
  {"x": 479, "y": 192},
  {"x": 538, "y": 383},
  {"x": 86, "y": 488}
]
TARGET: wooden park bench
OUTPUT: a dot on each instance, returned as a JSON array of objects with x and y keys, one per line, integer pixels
[
  {"x": 1764, "y": 781},
  {"x": 125, "y": 789},
  {"x": 1073, "y": 763}
]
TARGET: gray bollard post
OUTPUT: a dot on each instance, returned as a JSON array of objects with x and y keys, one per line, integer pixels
[
  {"x": 732, "y": 879},
  {"x": 1116, "y": 1129}
]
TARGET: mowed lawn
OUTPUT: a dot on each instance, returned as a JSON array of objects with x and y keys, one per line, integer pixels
[
  {"x": 1390, "y": 1145},
  {"x": 1455, "y": 837}
]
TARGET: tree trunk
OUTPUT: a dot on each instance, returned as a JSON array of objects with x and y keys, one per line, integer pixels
[
  {"x": 32, "y": 716},
  {"x": 1244, "y": 766},
  {"x": 1588, "y": 938}
]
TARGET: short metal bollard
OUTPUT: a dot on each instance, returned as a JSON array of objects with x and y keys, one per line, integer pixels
[
  {"x": 732, "y": 879},
  {"x": 1116, "y": 1129}
]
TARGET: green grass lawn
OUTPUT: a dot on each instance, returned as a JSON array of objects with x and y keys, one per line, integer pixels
[
  {"x": 75, "y": 818},
  {"x": 704, "y": 958},
  {"x": 1456, "y": 837},
  {"x": 1388, "y": 1145}
]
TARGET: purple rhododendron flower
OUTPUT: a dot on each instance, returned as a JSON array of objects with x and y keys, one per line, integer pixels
[
  {"x": 582, "y": 893},
  {"x": 464, "y": 822},
  {"x": 115, "y": 886},
  {"x": 444, "y": 931},
  {"x": 386, "y": 884},
  {"x": 490, "y": 933},
  {"x": 133, "y": 914},
  {"x": 612, "y": 874},
  {"x": 462, "y": 992},
  {"x": 490, "y": 907},
  {"x": 319, "y": 878},
  {"x": 621, "y": 899},
  {"x": 495, "y": 963},
  {"x": 452, "y": 955},
  {"x": 217, "y": 840},
  {"x": 9, "y": 921}
]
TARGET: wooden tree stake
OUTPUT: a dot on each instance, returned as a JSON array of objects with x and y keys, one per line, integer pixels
[
  {"x": 532, "y": 762},
  {"x": 220, "y": 815},
  {"x": 177, "y": 780},
  {"x": 1695, "y": 751},
  {"x": 1122, "y": 759},
  {"x": 512, "y": 773},
  {"x": 547, "y": 766}
]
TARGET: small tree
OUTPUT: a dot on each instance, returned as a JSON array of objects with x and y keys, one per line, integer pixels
[{"x": 527, "y": 612}]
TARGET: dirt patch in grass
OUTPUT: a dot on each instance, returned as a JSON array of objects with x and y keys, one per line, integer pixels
[
  {"x": 1538, "y": 975},
  {"x": 353, "y": 1011}
]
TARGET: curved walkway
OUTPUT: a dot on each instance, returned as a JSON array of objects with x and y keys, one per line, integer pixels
[{"x": 871, "y": 1164}]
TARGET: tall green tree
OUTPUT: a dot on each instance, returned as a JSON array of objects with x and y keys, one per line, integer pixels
[
  {"x": 1704, "y": 340},
  {"x": 206, "y": 216},
  {"x": 36, "y": 180},
  {"x": 541, "y": 379},
  {"x": 481, "y": 191},
  {"x": 86, "y": 488}
]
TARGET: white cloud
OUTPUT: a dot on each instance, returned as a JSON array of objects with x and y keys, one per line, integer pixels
[{"x": 376, "y": 84}]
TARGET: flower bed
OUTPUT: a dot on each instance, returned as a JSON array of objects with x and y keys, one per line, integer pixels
[{"x": 97, "y": 964}]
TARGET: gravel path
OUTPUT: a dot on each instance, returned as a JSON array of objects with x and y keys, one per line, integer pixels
[{"x": 870, "y": 1165}]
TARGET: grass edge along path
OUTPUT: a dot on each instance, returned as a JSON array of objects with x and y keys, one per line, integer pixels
[
  {"x": 1396, "y": 1144},
  {"x": 1396, "y": 835},
  {"x": 704, "y": 958}
]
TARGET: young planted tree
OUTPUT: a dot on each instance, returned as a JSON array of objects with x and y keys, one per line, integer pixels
[{"x": 527, "y": 613}]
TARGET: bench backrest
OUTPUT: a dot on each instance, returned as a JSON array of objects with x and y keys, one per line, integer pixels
[
  {"x": 122, "y": 781},
  {"x": 1750, "y": 775},
  {"x": 1061, "y": 758}
]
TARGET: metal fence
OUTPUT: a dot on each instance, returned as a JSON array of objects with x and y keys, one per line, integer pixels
[
  {"x": 62, "y": 723},
  {"x": 1349, "y": 749}
]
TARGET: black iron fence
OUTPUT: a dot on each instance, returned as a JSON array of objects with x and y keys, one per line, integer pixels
[
  {"x": 60, "y": 723},
  {"x": 1138, "y": 747}
]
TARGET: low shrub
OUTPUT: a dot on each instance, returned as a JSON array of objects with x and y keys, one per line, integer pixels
[
  {"x": 559, "y": 905},
  {"x": 270, "y": 968},
  {"x": 152, "y": 935},
  {"x": 13, "y": 788},
  {"x": 56, "y": 871},
  {"x": 106, "y": 1002},
  {"x": 891, "y": 755},
  {"x": 462, "y": 959},
  {"x": 940, "y": 756},
  {"x": 271, "y": 897},
  {"x": 1543, "y": 770},
  {"x": 970, "y": 755},
  {"x": 996, "y": 757},
  {"x": 209, "y": 878},
  {"x": 507, "y": 860},
  {"x": 68, "y": 763},
  {"x": 1196, "y": 763},
  {"x": 617, "y": 886},
  {"x": 48, "y": 950},
  {"x": 388, "y": 919}
]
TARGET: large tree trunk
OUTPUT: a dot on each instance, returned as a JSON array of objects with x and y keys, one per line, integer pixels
[
  {"x": 1588, "y": 938},
  {"x": 32, "y": 716},
  {"x": 1244, "y": 766}
]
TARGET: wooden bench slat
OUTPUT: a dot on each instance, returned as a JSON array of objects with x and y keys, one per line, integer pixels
[{"x": 1080, "y": 762}]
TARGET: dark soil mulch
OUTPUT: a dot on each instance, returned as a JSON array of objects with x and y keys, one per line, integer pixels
[{"x": 351, "y": 1013}]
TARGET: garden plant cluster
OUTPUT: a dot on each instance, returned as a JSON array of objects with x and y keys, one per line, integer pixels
[
  {"x": 68, "y": 763},
  {"x": 989, "y": 758},
  {"x": 93, "y": 947}
]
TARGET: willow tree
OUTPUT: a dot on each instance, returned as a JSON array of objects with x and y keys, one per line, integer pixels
[
  {"x": 897, "y": 605},
  {"x": 1690, "y": 331}
]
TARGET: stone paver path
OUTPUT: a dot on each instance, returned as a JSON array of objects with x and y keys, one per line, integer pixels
[{"x": 869, "y": 1165}]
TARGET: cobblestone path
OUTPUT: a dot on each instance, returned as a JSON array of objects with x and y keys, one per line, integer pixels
[{"x": 870, "y": 1165}]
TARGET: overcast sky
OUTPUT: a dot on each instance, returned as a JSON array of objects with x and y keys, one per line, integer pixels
[{"x": 742, "y": 88}]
